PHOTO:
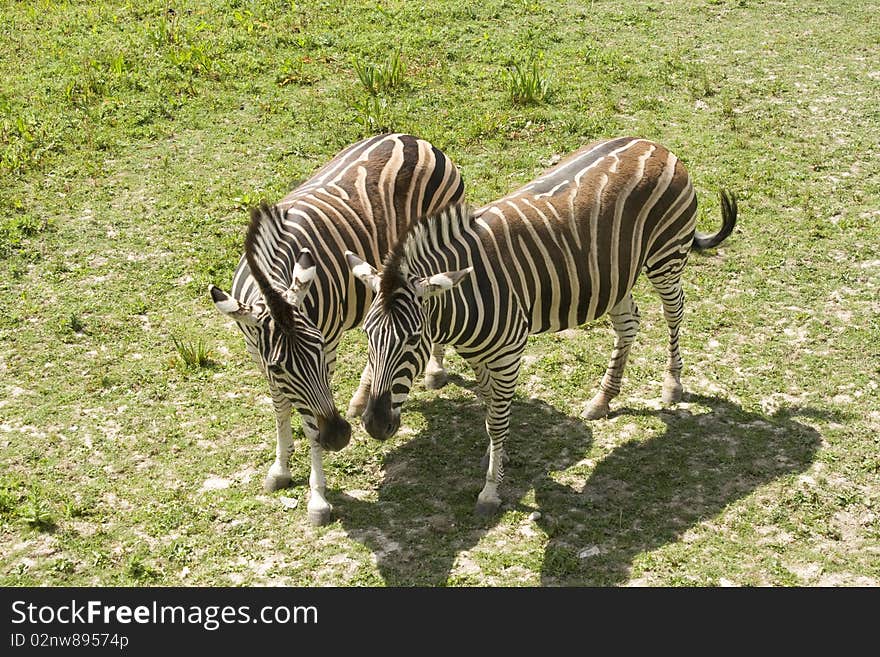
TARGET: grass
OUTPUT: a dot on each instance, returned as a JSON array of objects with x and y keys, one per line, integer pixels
[
  {"x": 36, "y": 512},
  {"x": 132, "y": 141},
  {"x": 381, "y": 78},
  {"x": 526, "y": 83},
  {"x": 192, "y": 354}
]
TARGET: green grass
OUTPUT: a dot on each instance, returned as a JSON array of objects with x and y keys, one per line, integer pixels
[
  {"x": 526, "y": 83},
  {"x": 381, "y": 78},
  {"x": 36, "y": 512},
  {"x": 133, "y": 138},
  {"x": 192, "y": 354}
]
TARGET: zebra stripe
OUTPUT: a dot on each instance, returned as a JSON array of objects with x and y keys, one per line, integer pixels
[
  {"x": 562, "y": 250},
  {"x": 293, "y": 296}
]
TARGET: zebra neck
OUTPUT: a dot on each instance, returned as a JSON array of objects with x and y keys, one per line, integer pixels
[{"x": 483, "y": 303}]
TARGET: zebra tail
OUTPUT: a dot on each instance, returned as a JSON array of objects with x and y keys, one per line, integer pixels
[
  {"x": 279, "y": 308},
  {"x": 728, "y": 218}
]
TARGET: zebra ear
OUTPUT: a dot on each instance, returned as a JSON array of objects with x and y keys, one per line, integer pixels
[
  {"x": 303, "y": 275},
  {"x": 363, "y": 271},
  {"x": 440, "y": 283},
  {"x": 232, "y": 307}
]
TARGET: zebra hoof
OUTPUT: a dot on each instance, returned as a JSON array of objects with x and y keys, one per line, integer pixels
[
  {"x": 274, "y": 482},
  {"x": 355, "y": 411},
  {"x": 358, "y": 403},
  {"x": 319, "y": 517},
  {"x": 672, "y": 394},
  {"x": 595, "y": 411},
  {"x": 487, "y": 509},
  {"x": 436, "y": 380}
]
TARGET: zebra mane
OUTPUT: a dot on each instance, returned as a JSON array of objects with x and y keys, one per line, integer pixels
[
  {"x": 427, "y": 234},
  {"x": 262, "y": 246}
]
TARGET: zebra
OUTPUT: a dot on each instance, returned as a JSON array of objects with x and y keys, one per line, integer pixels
[
  {"x": 563, "y": 250},
  {"x": 293, "y": 296}
]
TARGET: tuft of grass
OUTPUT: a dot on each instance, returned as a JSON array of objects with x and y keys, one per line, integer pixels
[
  {"x": 140, "y": 571},
  {"x": 167, "y": 30},
  {"x": 372, "y": 114},
  {"x": 16, "y": 229},
  {"x": 80, "y": 508},
  {"x": 37, "y": 512},
  {"x": 8, "y": 501},
  {"x": 381, "y": 78},
  {"x": 74, "y": 323},
  {"x": 63, "y": 566},
  {"x": 246, "y": 200},
  {"x": 527, "y": 84},
  {"x": 23, "y": 140},
  {"x": 295, "y": 72},
  {"x": 193, "y": 354}
]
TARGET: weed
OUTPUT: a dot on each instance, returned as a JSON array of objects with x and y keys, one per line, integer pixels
[
  {"x": 192, "y": 354},
  {"x": 295, "y": 72},
  {"x": 139, "y": 570},
  {"x": 24, "y": 140},
  {"x": 246, "y": 21},
  {"x": 561, "y": 562},
  {"x": 8, "y": 501},
  {"x": 74, "y": 323},
  {"x": 37, "y": 512},
  {"x": 246, "y": 200},
  {"x": 15, "y": 230},
  {"x": 526, "y": 83},
  {"x": 166, "y": 31},
  {"x": 63, "y": 566},
  {"x": 609, "y": 63},
  {"x": 381, "y": 78},
  {"x": 373, "y": 115},
  {"x": 99, "y": 559},
  {"x": 80, "y": 509}
]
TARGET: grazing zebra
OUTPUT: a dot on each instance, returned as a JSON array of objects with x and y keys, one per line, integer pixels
[
  {"x": 562, "y": 250},
  {"x": 293, "y": 296}
]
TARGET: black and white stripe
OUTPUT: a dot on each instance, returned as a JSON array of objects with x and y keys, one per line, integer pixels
[
  {"x": 563, "y": 250},
  {"x": 293, "y": 295}
]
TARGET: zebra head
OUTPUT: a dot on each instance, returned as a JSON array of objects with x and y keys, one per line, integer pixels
[
  {"x": 399, "y": 336},
  {"x": 289, "y": 346}
]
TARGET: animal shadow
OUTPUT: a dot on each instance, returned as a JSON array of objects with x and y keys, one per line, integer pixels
[
  {"x": 649, "y": 492},
  {"x": 643, "y": 494}
]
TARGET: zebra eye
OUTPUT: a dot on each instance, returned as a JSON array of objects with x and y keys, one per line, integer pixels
[{"x": 413, "y": 340}]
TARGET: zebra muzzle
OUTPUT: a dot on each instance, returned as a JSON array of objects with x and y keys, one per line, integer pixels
[
  {"x": 379, "y": 419},
  {"x": 333, "y": 432}
]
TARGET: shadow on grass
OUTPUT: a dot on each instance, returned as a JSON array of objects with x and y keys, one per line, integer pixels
[
  {"x": 642, "y": 495},
  {"x": 646, "y": 494}
]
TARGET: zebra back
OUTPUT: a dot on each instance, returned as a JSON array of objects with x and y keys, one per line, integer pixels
[
  {"x": 570, "y": 244},
  {"x": 360, "y": 201}
]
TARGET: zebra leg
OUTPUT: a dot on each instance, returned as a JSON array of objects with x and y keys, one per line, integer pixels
[
  {"x": 482, "y": 381},
  {"x": 359, "y": 400},
  {"x": 279, "y": 472},
  {"x": 484, "y": 462},
  {"x": 668, "y": 286},
  {"x": 501, "y": 384},
  {"x": 319, "y": 509},
  {"x": 625, "y": 320},
  {"x": 484, "y": 393},
  {"x": 435, "y": 375}
]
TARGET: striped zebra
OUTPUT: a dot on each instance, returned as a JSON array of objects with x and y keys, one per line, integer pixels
[
  {"x": 292, "y": 293},
  {"x": 561, "y": 251}
]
